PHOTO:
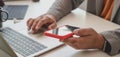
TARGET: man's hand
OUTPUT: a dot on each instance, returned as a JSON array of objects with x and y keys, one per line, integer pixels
[
  {"x": 89, "y": 39},
  {"x": 36, "y": 24}
]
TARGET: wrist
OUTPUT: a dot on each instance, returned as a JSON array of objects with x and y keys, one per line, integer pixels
[
  {"x": 101, "y": 42},
  {"x": 51, "y": 17}
]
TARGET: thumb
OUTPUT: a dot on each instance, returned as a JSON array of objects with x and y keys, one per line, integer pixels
[{"x": 82, "y": 32}]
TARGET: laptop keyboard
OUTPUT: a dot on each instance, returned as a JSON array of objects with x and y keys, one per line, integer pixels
[{"x": 20, "y": 43}]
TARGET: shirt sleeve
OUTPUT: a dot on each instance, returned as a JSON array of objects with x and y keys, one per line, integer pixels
[
  {"x": 61, "y": 8},
  {"x": 113, "y": 42}
]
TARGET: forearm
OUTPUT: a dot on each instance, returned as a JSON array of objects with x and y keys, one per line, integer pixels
[
  {"x": 63, "y": 7},
  {"x": 113, "y": 38}
]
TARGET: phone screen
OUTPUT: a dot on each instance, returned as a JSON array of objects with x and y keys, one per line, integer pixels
[{"x": 64, "y": 30}]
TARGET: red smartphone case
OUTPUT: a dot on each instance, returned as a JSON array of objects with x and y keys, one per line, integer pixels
[{"x": 58, "y": 36}]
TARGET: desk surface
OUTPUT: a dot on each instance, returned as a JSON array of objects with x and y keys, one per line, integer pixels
[
  {"x": 78, "y": 18},
  {"x": 83, "y": 20}
]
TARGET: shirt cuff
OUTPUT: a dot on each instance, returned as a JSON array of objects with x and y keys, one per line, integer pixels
[{"x": 107, "y": 47}]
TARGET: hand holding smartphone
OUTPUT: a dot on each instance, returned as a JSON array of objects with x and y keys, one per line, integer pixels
[{"x": 62, "y": 32}]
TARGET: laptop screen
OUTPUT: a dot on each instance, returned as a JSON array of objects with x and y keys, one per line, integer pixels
[{"x": 15, "y": 11}]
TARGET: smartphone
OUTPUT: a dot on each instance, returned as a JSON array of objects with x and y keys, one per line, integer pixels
[{"x": 62, "y": 32}]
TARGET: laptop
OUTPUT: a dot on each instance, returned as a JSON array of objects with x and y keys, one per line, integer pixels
[
  {"x": 5, "y": 49},
  {"x": 16, "y": 41},
  {"x": 24, "y": 44}
]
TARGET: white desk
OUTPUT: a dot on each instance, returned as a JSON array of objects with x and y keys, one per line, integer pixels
[
  {"x": 83, "y": 20},
  {"x": 77, "y": 18}
]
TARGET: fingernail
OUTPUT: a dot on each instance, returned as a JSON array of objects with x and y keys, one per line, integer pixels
[
  {"x": 50, "y": 28},
  {"x": 28, "y": 29},
  {"x": 36, "y": 28},
  {"x": 33, "y": 32}
]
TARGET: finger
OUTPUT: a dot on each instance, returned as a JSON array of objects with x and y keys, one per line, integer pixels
[
  {"x": 74, "y": 46},
  {"x": 30, "y": 23},
  {"x": 83, "y": 31},
  {"x": 85, "y": 42},
  {"x": 29, "y": 20},
  {"x": 73, "y": 42},
  {"x": 34, "y": 31},
  {"x": 33, "y": 26},
  {"x": 78, "y": 43},
  {"x": 76, "y": 32},
  {"x": 42, "y": 22},
  {"x": 52, "y": 26},
  {"x": 69, "y": 40}
]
